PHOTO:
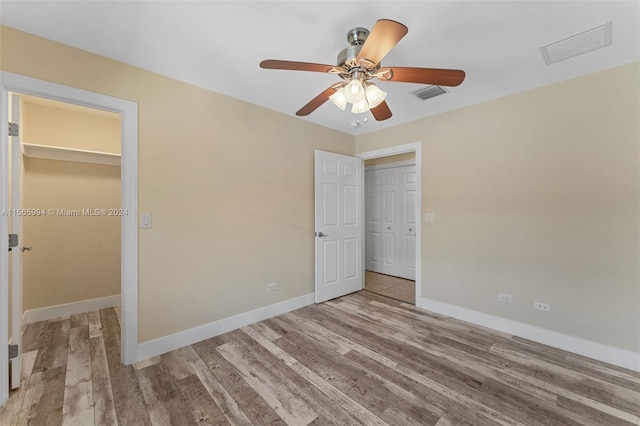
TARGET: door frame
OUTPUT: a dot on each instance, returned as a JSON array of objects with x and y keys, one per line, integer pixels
[
  {"x": 128, "y": 111},
  {"x": 415, "y": 147}
]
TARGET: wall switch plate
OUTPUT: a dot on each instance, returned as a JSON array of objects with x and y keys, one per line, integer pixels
[
  {"x": 145, "y": 220},
  {"x": 507, "y": 298},
  {"x": 429, "y": 217},
  {"x": 271, "y": 287},
  {"x": 542, "y": 306}
]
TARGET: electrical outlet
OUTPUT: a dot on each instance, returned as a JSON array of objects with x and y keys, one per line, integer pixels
[
  {"x": 272, "y": 287},
  {"x": 542, "y": 306},
  {"x": 507, "y": 298}
]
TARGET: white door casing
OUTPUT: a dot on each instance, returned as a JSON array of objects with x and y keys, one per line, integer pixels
[
  {"x": 382, "y": 217},
  {"x": 16, "y": 252},
  {"x": 338, "y": 225},
  {"x": 407, "y": 222},
  {"x": 128, "y": 111},
  {"x": 415, "y": 147}
]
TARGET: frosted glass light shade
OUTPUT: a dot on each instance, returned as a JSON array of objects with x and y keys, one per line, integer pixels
[
  {"x": 354, "y": 92},
  {"x": 360, "y": 107},
  {"x": 374, "y": 95},
  {"x": 338, "y": 99}
]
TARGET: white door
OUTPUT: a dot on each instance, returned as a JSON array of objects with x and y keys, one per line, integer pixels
[
  {"x": 391, "y": 221},
  {"x": 338, "y": 225},
  {"x": 15, "y": 165},
  {"x": 4, "y": 253},
  {"x": 407, "y": 219},
  {"x": 382, "y": 218}
]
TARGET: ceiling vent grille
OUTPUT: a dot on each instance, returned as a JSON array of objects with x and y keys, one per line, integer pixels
[
  {"x": 577, "y": 44},
  {"x": 428, "y": 92}
]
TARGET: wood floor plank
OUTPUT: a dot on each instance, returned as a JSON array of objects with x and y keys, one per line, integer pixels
[
  {"x": 44, "y": 400},
  {"x": 31, "y": 337},
  {"x": 127, "y": 396},
  {"x": 10, "y": 412},
  {"x": 271, "y": 388},
  {"x": 229, "y": 407},
  {"x": 104, "y": 408},
  {"x": 54, "y": 346},
  {"x": 95, "y": 326},
  {"x": 165, "y": 403},
  {"x": 204, "y": 409},
  {"x": 176, "y": 365},
  {"x": 78, "y": 408},
  {"x": 254, "y": 407},
  {"x": 329, "y": 412}
]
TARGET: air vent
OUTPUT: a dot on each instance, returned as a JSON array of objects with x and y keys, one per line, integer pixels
[
  {"x": 577, "y": 44},
  {"x": 428, "y": 92}
]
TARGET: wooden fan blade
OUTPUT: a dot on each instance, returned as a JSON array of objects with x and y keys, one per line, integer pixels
[
  {"x": 274, "y": 64},
  {"x": 384, "y": 35},
  {"x": 316, "y": 102},
  {"x": 381, "y": 112},
  {"x": 441, "y": 77}
]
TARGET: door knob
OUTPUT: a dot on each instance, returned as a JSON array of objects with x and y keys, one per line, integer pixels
[
  {"x": 320, "y": 234},
  {"x": 25, "y": 248}
]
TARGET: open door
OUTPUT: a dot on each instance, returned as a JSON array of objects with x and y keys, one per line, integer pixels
[
  {"x": 15, "y": 220},
  {"x": 4, "y": 252},
  {"x": 339, "y": 225}
]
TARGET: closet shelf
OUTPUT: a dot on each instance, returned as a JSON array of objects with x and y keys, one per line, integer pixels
[{"x": 70, "y": 154}]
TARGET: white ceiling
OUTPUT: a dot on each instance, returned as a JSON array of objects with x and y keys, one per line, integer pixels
[{"x": 219, "y": 44}]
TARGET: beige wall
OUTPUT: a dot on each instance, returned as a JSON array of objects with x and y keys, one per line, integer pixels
[
  {"x": 230, "y": 188},
  {"x": 73, "y": 258},
  {"x": 537, "y": 195},
  {"x": 65, "y": 126}
]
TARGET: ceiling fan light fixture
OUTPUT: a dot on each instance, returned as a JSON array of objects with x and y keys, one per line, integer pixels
[
  {"x": 354, "y": 91},
  {"x": 338, "y": 99},
  {"x": 360, "y": 107},
  {"x": 375, "y": 96}
]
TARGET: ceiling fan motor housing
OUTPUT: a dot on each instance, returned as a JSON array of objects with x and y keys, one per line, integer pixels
[{"x": 347, "y": 57}]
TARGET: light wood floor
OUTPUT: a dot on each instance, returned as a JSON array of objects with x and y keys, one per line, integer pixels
[
  {"x": 360, "y": 359},
  {"x": 393, "y": 287}
]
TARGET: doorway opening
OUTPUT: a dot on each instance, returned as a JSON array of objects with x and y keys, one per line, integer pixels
[
  {"x": 71, "y": 158},
  {"x": 392, "y": 222},
  {"x": 128, "y": 112}
]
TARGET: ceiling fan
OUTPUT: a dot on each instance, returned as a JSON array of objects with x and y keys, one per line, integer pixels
[{"x": 359, "y": 63}]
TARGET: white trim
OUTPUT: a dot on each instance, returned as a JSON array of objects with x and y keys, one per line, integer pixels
[
  {"x": 393, "y": 165},
  {"x": 57, "y": 311},
  {"x": 620, "y": 357},
  {"x": 402, "y": 149},
  {"x": 193, "y": 335},
  {"x": 48, "y": 152},
  {"x": 128, "y": 111}
]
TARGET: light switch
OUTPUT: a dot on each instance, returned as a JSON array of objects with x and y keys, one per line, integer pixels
[
  {"x": 429, "y": 217},
  {"x": 145, "y": 220}
]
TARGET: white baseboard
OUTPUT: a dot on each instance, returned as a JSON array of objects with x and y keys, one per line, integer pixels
[
  {"x": 620, "y": 357},
  {"x": 57, "y": 311},
  {"x": 193, "y": 335}
]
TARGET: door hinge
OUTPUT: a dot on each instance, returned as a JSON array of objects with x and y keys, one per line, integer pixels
[
  {"x": 14, "y": 351},
  {"x": 13, "y": 241},
  {"x": 14, "y": 129}
]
